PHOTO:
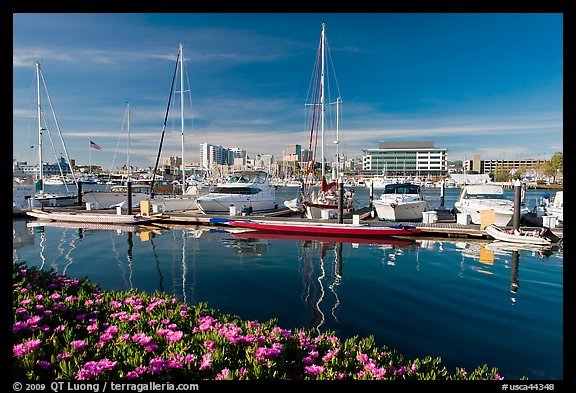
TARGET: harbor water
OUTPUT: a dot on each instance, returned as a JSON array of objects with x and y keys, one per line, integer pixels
[{"x": 466, "y": 301}]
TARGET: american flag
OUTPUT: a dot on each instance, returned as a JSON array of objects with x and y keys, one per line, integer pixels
[{"x": 95, "y": 146}]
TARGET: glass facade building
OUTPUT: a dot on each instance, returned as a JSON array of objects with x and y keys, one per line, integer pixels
[{"x": 405, "y": 159}]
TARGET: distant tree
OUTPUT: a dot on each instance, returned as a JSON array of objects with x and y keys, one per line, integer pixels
[
  {"x": 520, "y": 172},
  {"x": 557, "y": 164},
  {"x": 501, "y": 175}
]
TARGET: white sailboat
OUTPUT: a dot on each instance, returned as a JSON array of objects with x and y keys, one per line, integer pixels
[
  {"x": 325, "y": 202},
  {"x": 190, "y": 189},
  {"x": 43, "y": 198},
  {"x": 117, "y": 195}
]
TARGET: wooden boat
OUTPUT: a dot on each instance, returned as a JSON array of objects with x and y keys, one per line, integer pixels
[
  {"x": 542, "y": 236},
  {"x": 324, "y": 229},
  {"x": 108, "y": 218}
]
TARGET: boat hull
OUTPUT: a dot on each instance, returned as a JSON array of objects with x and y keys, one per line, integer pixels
[
  {"x": 55, "y": 200},
  {"x": 89, "y": 218},
  {"x": 517, "y": 237},
  {"x": 222, "y": 203},
  {"x": 342, "y": 230},
  {"x": 315, "y": 211},
  {"x": 410, "y": 211},
  {"x": 174, "y": 203},
  {"x": 110, "y": 199},
  {"x": 502, "y": 217}
]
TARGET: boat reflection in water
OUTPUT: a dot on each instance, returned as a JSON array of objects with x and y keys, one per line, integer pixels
[
  {"x": 454, "y": 298},
  {"x": 320, "y": 268},
  {"x": 485, "y": 254}
]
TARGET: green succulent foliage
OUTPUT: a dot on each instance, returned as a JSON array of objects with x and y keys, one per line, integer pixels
[{"x": 66, "y": 329}]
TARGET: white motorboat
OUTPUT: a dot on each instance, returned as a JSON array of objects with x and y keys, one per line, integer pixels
[
  {"x": 247, "y": 191},
  {"x": 400, "y": 202},
  {"x": 556, "y": 207},
  {"x": 475, "y": 198},
  {"x": 542, "y": 237},
  {"x": 23, "y": 193}
]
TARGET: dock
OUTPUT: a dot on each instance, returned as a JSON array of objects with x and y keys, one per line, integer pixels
[{"x": 445, "y": 226}]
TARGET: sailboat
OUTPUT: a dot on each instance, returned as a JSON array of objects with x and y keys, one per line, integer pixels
[
  {"x": 117, "y": 195},
  {"x": 190, "y": 189},
  {"x": 325, "y": 203},
  {"x": 43, "y": 198}
]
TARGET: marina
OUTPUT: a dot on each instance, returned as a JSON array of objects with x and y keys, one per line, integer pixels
[
  {"x": 474, "y": 292},
  {"x": 444, "y": 222},
  {"x": 420, "y": 207}
]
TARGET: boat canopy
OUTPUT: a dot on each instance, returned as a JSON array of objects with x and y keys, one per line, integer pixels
[{"x": 401, "y": 188}]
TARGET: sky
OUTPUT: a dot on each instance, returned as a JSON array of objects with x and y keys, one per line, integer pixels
[{"x": 473, "y": 83}]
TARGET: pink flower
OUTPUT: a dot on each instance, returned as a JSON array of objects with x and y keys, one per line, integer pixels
[
  {"x": 25, "y": 348},
  {"x": 210, "y": 345},
  {"x": 175, "y": 336},
  {"x": 314, "y": 370},
  {"x": 362, "y": 358},
  {"x": 224, "y": 374},
  {"x": 79, "y": 344},
  {"x": 206, "y": 361}
]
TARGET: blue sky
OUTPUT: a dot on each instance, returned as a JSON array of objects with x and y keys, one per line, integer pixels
[{"x": 474, "y": 83}]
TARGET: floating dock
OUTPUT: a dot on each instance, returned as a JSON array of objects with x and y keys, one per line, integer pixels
[{"x": 444, "y": 226}]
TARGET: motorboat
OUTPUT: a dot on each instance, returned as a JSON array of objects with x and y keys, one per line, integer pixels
[
  {"x": 400, "y": 202},
  {"x": 556, "y": 207},
  {"x": 475, "y": 198},
  {"x": 541, "y": 237},
  {"x": 246, "y": 191},
  {"x": 23, "y": 193}
]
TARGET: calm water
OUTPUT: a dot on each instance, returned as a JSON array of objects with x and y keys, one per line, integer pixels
[{"x": 465, "y": 301}]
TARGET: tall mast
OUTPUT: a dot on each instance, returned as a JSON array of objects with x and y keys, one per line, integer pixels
[
  {"x": 40, "y": 129},
  {"x": 182, "y": 113},
  {"x": 322, "y": 45},
  {"x": 337, "y": 142},
  {"x": 128, "y": 145}
]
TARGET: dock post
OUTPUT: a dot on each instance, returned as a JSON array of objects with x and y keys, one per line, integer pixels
[
  {"x": 370, "y": 204},
  {"x": 129, "y": 190},
  {"x": 340, "y": 200},
  {"x": 517, "y": 204},
  {"x": 442, "y": 194},
  {"x": 79, "y": 202}
]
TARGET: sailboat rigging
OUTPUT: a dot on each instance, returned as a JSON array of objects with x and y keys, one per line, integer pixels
[
  {"x": 42, "y": 197},
  {"x": 117, "y": 194},
  {"x": 186, "y": 200},
  {"x": 324, "y": 203}
]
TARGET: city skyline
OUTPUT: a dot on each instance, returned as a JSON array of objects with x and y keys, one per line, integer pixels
[{"x": 488, "y": 84}]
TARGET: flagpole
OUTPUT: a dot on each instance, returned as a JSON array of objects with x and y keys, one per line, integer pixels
[{"x": 89, "y": 158}]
